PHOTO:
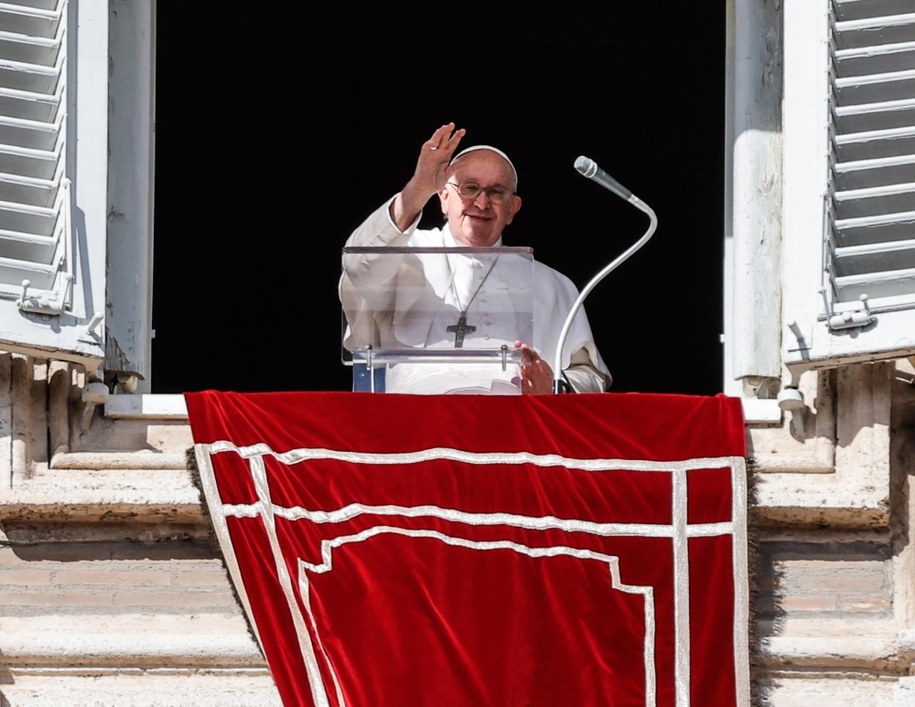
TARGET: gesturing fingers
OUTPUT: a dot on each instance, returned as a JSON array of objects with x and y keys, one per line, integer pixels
[
  {"x": 435, "y": 156},
  {"x": 536, "y": 374},
  {"x": 445, "y": 141}
]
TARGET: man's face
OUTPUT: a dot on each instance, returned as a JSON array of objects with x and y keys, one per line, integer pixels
[{"x": 479, "y": 222}]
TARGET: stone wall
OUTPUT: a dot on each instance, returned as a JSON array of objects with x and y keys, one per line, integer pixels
[
  {"x": 113, "y": 592},
  {"x": 834, "y": 573}
]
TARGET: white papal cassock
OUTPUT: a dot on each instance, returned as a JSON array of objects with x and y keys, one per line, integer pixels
[{"x": 412, "y": 301}]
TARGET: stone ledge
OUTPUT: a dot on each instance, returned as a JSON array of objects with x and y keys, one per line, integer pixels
[
  {"x": 127, "y": 641},
  {"x": 877, "y": 653},
  {"x": 846, "y": 498},
  {"x": 867, "y": 644},
  {"x": 143, "y": 495},
  {"x": 805, "y": 690},
  {"x": 119, "y": 460},
  {"x": 143, "y": 689},
  {"x": 146, "y": 406},
  {"x": 52, "y": 648}
]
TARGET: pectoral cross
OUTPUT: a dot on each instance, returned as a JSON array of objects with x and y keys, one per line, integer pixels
[{"x": 460, "y": 329}]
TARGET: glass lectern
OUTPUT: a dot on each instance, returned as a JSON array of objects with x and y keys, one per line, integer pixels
[{"x": 436, "y": 320}]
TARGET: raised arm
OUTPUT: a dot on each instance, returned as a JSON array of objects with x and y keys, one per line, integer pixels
[{"x": 429, "y": 177}]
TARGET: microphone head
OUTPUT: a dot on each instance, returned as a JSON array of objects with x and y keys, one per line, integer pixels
[{"x": 586, "y": 166}]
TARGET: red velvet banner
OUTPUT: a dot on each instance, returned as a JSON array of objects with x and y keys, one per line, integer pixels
[{"x": 482, "y": 550}]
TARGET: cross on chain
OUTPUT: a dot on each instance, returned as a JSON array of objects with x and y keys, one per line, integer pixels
[{"x": 460, "y": 329}]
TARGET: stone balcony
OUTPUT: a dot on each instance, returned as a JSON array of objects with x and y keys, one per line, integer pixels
[{"x": 111, "y": 585}]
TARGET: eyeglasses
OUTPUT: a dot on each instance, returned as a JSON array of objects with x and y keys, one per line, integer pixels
[{"x": 471, "y": 190}]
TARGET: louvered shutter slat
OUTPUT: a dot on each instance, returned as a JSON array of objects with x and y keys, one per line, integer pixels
[
  {"x": 877, "y": 284},
  {"x": 23, "y": 246},
  {"x": 896, "y": 169},
  {"x": 876, "y": 201},
  {"x": 879, "y": 115},
  {"x": 881, "y": 258},
  {"x": 20, "y": 218},
  {"x": 28, "y": 105},
  {"x": 874, "y": 144},
  {"x": 31, "y": 19},
  {"x": 38, "y": 164}
]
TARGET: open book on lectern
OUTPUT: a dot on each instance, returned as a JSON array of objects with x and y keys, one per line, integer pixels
[{"x": 441, "y": 320}]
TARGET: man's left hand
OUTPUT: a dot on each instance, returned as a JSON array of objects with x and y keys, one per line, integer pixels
[{"x": 536, "y": 374}]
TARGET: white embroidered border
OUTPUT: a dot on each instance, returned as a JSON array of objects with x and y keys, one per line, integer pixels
[
  {"x": 294, "y": 456},
  {"x": 741, "y": 579},
  {"x": 679, "y": 531},
  {"x": 681, "y": 588},
  {"x": 647, "y": 593}
]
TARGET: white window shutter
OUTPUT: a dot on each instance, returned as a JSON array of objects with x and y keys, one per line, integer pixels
[
  {"x": 51, "y": 290},
  {"x": 34, "y": 197},
  {"x": 866, "y": 283}
]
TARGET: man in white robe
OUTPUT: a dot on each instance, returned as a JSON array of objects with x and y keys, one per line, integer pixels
[{"x": 461, "y": 301}]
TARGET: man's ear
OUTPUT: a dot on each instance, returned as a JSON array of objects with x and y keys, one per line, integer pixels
[
  {"x": 514, "y": 206},
  {"x": 443, "y": 197}
]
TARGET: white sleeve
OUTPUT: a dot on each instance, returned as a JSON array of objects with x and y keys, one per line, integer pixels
[
  {"x": 365, "y": 276},
  {"x": 379, "y": 229},
  {"x": 584, "y": 376}
]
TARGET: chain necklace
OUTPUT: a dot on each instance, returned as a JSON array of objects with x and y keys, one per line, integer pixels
[{"x": 462, "y": 327}]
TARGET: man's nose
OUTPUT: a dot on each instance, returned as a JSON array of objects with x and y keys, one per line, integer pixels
[{"x": 482, "y": 199}]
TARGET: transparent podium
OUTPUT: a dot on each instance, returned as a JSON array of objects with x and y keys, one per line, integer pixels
[{"x": 437, "y": 320}]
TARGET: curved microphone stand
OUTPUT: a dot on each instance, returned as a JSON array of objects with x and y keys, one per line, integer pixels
[{"x": 588, "y": 168}]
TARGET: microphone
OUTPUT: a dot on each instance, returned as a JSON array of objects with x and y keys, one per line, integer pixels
[{"x": 588, "y": 168}]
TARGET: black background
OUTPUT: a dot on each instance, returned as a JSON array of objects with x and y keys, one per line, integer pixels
[{"x": 279, "y": 129}]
